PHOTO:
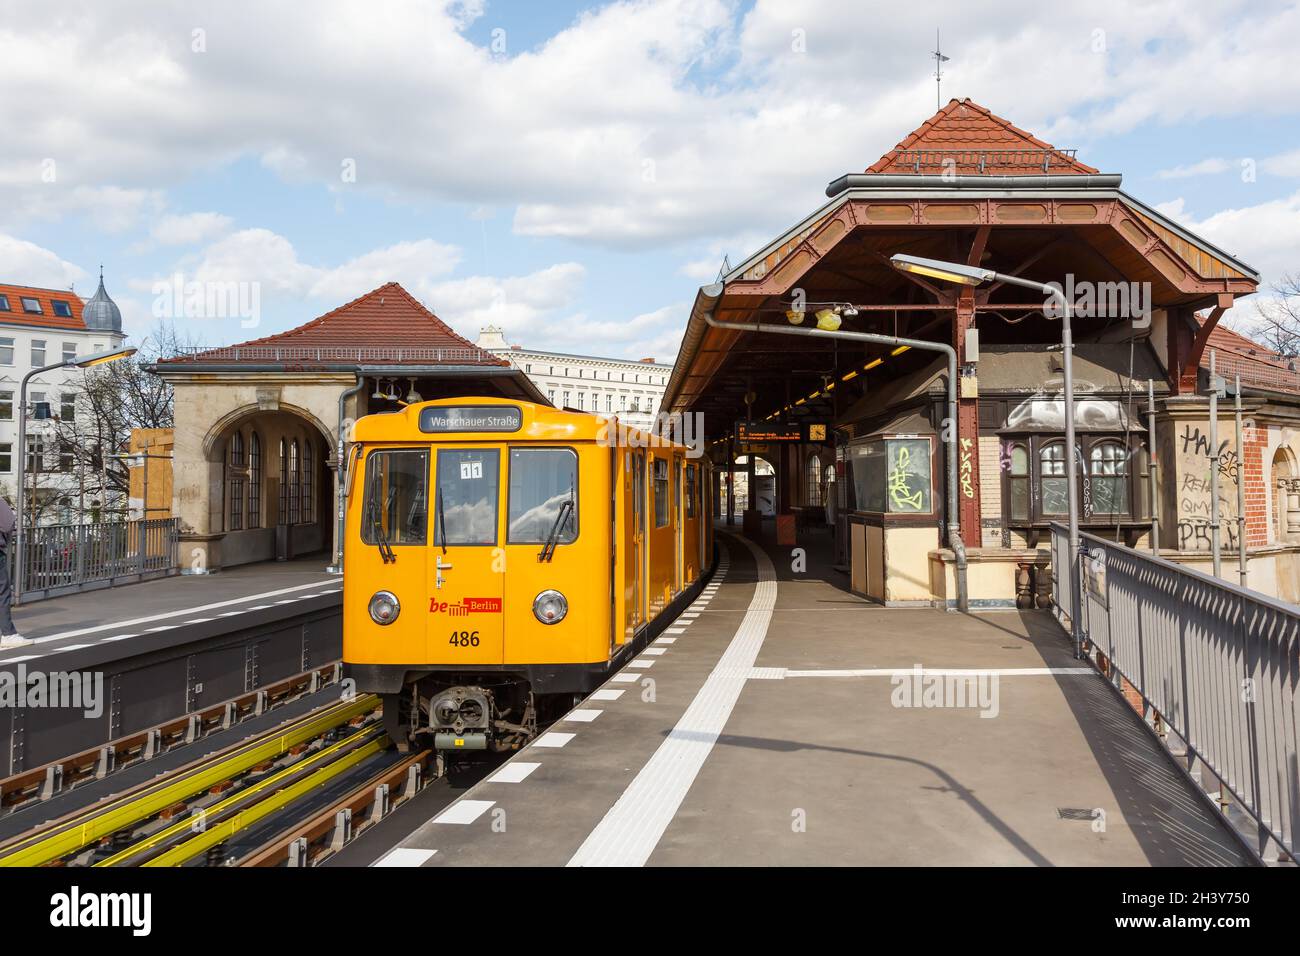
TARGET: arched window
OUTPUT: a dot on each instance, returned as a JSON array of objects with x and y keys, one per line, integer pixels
[
  {"x": 308, "y": 514},
  {"x": 292, "y": 479},
  {"x": 235, "y": 482},
  {"x": 1108, "y": 477},
  {"x": 284, "y": 482},
  {"x": 255, "y": 481},
  {"x": 1055, "y": 486},
  {"x": 814, "y": 491},
  {"x": 1017, "y": 465}
]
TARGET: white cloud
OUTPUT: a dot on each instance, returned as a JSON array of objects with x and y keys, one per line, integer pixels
[
  {"x": 189, "y": 229},
  {"x": 1205, "y": 167},
  {"x": 641, "y": 122},
  {"x": 1283, "y": 164},
  {"x": 29, "y": 264}
]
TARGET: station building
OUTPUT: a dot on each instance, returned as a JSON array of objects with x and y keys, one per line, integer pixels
[
  {"x": 255, "y": 456},
  {"x": 857, "y": 432}
]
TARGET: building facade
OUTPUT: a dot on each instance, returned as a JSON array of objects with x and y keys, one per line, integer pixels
[
  {"x": 632, "y": 390},
  {"x": 40, "y": 327}
]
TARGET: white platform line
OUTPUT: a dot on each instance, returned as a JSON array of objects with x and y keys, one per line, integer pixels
[
  {"x": 624, "y": 677},
  {"x": 943, "y": 672},
  {"x": 188, "y": 610},
  {"x": 70, "y": 647},
  {"x": 405, "y": 856},
  {"x": 666, "y": 640},
  {"x": 583, "y": 715},
  {"x": 516, "y": 771},
  {"x": 632, "y": 828},
  {"x": 674, "y": 630},
  {"x": 19, "y": 660},
  {"x": 642, "y": 663},
  {"x": 464, "y": 812},
  {"x": 553, "y": 739},
  {"x": 605, "y": 694},
  {"x": 655, "y": 651}
]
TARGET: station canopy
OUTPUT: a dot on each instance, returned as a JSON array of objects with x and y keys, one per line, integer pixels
[{"x": 965, "y": 186}]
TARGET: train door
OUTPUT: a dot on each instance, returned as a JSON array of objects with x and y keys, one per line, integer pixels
[
  {"x": 679, "y": 529},
  {"x": 634, "y": 560},
  {"x": 466, "y": 604}
]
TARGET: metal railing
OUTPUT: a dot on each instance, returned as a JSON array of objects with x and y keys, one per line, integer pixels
[
  {"x": 982, "y": 159},
  {"x": 65, "y": 558},
  {"x": 1216, "y": 664},
  {"x": 341, "y": 353}
]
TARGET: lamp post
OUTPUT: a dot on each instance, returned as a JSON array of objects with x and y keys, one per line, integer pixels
[
  {"x": 963, "y": 274},
  {"x": 95, "y": 358}
]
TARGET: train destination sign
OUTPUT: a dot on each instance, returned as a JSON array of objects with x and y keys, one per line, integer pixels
[
  {"x": 761, "y": 432},
  {"x": 471, "y": 418}
]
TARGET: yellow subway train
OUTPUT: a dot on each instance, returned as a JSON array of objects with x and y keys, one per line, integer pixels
[{"x": 502, "y": 558}]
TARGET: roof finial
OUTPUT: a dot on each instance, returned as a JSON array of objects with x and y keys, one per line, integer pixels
[{"x": 939, "y": 60}]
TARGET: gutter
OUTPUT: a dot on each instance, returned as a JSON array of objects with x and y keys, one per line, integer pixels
[{"x": 954, "y": 515}]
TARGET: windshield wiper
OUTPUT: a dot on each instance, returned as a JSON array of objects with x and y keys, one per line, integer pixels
[
  {"x": 377, "y": 530},
  {"x": 552, "y": 539},
  {"x": 442, "y": 520}
]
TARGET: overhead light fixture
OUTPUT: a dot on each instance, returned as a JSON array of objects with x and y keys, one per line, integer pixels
[
  {"x": 852, "y": 375},
  {"x": 938, "y": 269},
  {"x": 794, "y": 317},
  {"x": 103, "y": 358},
  {"x": 872, "y": 364},
  {"x": 900, "y": 350},
  {"x": 413, "y": 396}
]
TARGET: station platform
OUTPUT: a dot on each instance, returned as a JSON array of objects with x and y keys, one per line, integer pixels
[
  {"x": 76, "y": 621},
  {"x": 782, "y": 721}
]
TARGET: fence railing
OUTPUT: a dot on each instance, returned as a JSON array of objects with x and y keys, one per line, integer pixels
[
  {"x": 1216, "y": 664},
  {"x": 342, "y": 353},
  {"x": 63, "y": 558}
]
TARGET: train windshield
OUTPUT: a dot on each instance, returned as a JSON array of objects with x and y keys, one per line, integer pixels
[
  {"x": 397, "y": 501},
  {"x": 467, "y": 496},
  {"x": 541, "y": 481}
]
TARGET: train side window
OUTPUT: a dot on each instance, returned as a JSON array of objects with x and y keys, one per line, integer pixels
[
  {"x": 661, "y": 491},
  {"x": 396, "y": 504},
  {"x": 690, "y": 491},
  {"x": 467, "y": 496},
  {"x": 541, "y": 481}
]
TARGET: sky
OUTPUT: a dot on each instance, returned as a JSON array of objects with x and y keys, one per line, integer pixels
[{"x": 573, "y": 172}]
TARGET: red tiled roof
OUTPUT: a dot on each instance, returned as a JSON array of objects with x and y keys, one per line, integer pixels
[
  {"x": 383, "y": 327},
  {"x": 977, "y": 142},
  {"x": 1258, "y": 365},
  {"x": 47, "y": 319}
]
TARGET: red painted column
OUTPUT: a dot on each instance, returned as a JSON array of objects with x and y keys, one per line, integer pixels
[{"x": 968, "y": 421}]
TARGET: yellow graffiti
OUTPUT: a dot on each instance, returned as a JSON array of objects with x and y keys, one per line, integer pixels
[
  {"x": 898, "y": 489},
  {"x": 967, "y": 485}
]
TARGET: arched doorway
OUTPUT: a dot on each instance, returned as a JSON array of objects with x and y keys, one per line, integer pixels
[
  {"x": 763, "y": 494},
  {"x": 276, "y": 488}
]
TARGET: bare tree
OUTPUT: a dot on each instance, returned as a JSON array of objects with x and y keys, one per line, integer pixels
[
  {"x": 93, "y": 426},
  {"x": 1278, "y": 326}
]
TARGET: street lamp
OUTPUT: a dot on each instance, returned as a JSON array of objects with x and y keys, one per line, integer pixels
[
  {"x": 972, "y": 276},
  {"x": 87, "y": 361}
]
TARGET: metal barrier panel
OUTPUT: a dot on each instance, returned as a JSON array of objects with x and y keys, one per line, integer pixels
[
  {"x": 1217, "y": 662},
  {"x": 64, "y": 558}
]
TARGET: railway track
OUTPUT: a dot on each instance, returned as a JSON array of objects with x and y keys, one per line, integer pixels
[{"x": 269, "y": 800}]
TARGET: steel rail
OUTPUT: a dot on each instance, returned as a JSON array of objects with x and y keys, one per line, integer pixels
[
  {"x": 77, "y": 831},
  {"x": 246, "y": 800},
  {"x": 224, "y": 830}
]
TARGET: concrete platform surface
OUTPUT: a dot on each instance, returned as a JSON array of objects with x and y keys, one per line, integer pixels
[
  {"x": 75, "y": 620},
  {"x": 782, "y": 721}
]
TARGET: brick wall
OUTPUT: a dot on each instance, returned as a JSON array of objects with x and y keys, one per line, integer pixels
[{"x": 1254, "y": 473}]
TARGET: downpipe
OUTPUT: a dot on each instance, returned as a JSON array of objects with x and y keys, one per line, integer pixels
[{"x": 954, "y": 520}]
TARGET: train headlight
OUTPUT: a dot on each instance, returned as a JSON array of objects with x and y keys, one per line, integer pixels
[
  {"x": 384, "y": 607},
  {"x": 549, "y": 607}
]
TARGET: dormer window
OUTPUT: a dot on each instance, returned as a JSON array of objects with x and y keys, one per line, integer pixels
[
  {"x": 61, "y": 308},
  {"x": 4, "y": 304},
  {"x": 31, "y": 305}
]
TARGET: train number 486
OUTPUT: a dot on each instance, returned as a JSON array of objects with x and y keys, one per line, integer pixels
[{"x": 464, "y": 639}]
